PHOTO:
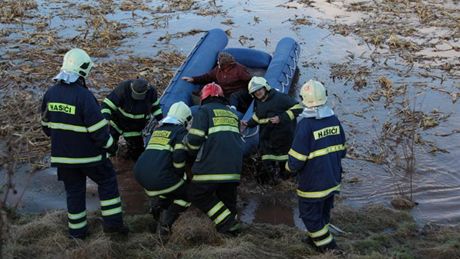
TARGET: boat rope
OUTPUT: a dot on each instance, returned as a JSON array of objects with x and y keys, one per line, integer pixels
[
  {"x": 247, "y": 135},
  {"x": 289, "y": 75}
]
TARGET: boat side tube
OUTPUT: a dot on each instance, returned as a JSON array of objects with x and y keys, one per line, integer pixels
[
  {"x": 200, "y": 60},
  {"x": 284, "y": 63},
  {"x": 250, "y": 57}
]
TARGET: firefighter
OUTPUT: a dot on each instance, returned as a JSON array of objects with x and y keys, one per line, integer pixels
[
  {"x": 129, "y": 108},
  {"x": 276, "y": 114},
  {"x": 80, "y": 140},
  {"x": 315, "y": 155},
  {"x": 214, "y": 140},
  {"x": 161, "y": 168}
]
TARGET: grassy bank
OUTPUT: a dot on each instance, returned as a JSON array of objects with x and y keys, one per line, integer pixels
[{"x": 373, "y": 232}]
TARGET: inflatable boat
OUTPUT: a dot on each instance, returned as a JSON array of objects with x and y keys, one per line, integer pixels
[{"x": 278, "y": 69}]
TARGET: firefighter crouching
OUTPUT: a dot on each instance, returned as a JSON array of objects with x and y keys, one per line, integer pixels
[
  {"x": 214, "y": 139},
  {"x": 276, "y": 114},
  {"x": 316, "y": 153},
  {"x": 129, "y": 108},
  {"x": 80, "y": 140},
  {"x": 161, "y": 168}
]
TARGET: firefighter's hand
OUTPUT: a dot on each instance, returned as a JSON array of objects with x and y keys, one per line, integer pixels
[
  {"x": 288, "y": 172},
  {"x": 112, "y": 150},
  {"x": 275, "y": 120},
  {"x": 188, "y": 79},
  {"x": 243, "y": 126}
]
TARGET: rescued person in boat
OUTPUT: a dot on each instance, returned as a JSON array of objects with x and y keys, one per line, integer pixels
[
  {"x": 232, "y": 77},
  {"x": 161, "y": 169},
  {"x": 276, "y": 114},
  {"x": 316, "y": 153},
  {"x": 129, "y": 108}
]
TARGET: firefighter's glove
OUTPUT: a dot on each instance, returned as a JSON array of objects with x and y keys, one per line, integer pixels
[
  {"x": 288, "y": 172},
  {"x": 112, "y": 150}
]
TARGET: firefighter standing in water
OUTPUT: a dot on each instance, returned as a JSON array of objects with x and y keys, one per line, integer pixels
[
  {"x": 214, "y": 139},
  {"x": 276, "y": 114},
  {"x": 315, "y": 155},
  {"x": 129, "y": 108},
  {"x": 161, "y": 168},
  {"x": 80, "y": 140}
]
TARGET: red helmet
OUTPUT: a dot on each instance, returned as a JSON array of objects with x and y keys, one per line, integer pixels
[{"x": 211, "y": 89}]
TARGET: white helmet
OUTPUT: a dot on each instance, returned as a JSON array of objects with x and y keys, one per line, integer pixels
[
  {"x": 180, "y": 111},
  {"x": 313, "y": 94},
  {"x": 77, "y": 61},
  {"x": 257, "y": 83}
]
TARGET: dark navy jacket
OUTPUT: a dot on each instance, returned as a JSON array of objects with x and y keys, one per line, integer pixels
[
  {"x": 275, "y": 139},
  {"x": 160, "y": 169},
  {"x": 215, "y": 140},
  {"x": 128, "y": 116},
  {"x": 316, "y": 153},
  {"x": 71, "y": 116}
]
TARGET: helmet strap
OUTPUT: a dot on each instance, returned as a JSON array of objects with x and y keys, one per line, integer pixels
[{"x": 83, "y": 81}]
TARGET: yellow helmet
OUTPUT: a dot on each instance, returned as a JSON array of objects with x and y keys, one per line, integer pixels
[
  {"x": 313, "y": 94},
  {"x": 180, "y": 111},
  {"x": 257, "y": 83},
  {"x": 77, "y": 61}
]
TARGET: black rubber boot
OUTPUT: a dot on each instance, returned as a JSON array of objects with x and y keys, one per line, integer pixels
[
  {"x": 331, "y": 247},
  {"x": 121, "y": 230},
  {"x": 155, "y": 210},
  {"x": 230, "y": 227},
  {"x": 266, "y": 174},
  {"x": 167, "y": 219},
  {"x": 307, "y": 240}
]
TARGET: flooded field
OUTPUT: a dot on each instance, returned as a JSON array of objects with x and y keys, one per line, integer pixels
[{"x": 391, "y": 67}]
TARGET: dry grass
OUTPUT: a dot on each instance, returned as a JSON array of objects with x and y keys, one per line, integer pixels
[
  {"x": 380, "y": 233},
  {"x": 21, "y": 128}
]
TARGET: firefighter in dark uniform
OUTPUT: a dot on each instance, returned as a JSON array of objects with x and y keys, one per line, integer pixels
[
  {"x": 129, "y": 108},
  {"x": 161, "y": 168},
  {"x": 80, "y": 140},
  {"x": 276, "y": 114},
  {"x": 315, "y": 155},
  {"x": 214, "y": 139}
]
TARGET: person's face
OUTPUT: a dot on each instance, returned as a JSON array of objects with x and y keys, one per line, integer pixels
[
  {"x": 260, "y": 94},
  {"x": 223, "y": 62}
]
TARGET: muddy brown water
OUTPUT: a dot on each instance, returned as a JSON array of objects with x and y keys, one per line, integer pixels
[{"x": 261, "y": 24}]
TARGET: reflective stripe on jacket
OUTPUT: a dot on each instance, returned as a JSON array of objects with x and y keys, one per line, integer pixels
[
  {"x": 316, "y": 153},
  {"x": 127, "y": 114},
  {"x": 160, "y": 169},
  {"x": 275, "y": 139},
  {"x": 215, "y": 140},
  {"x": 72, "y": 118}
]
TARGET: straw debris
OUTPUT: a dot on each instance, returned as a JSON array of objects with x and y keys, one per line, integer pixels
[
  {"x": 21, "y": 128},
  {"x": 378, "y": 235},
  {"x": 12, "y": 11}
]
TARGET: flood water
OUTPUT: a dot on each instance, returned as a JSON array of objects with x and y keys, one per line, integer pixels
[{"x": 261, "y": 24}]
